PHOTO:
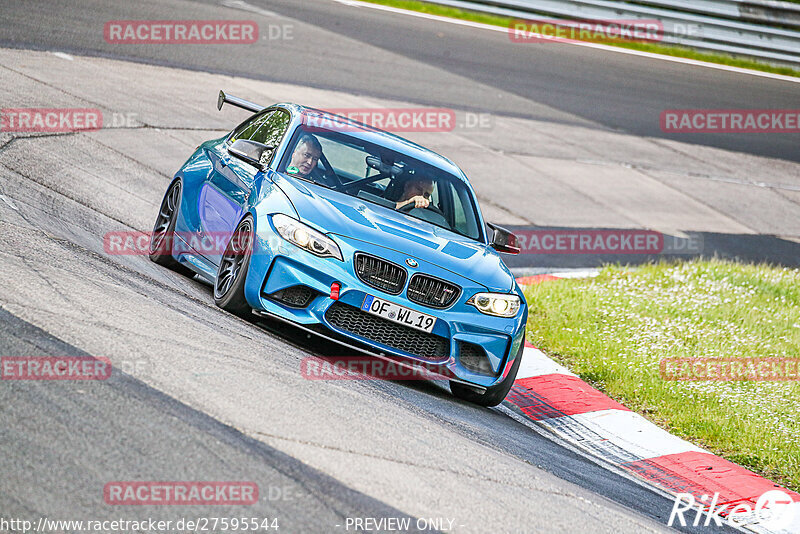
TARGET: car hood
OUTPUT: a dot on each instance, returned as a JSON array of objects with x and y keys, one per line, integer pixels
[{"x": 338, "y": 213}]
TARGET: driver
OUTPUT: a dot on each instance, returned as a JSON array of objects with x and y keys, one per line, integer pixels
[
  {"x": 416, "y": 191},
  {"x": 305, "y": 156}
]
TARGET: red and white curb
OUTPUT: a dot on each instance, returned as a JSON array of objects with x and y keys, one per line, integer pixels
[{"x": 550, "y": 396}]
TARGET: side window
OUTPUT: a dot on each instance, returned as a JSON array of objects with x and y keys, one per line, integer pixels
[
  {"x": 246, "y": 130},
  {"x": 270, "y": 131},
  {"x": 464, "y": 214},
  {"x": 435, "y": 199}
]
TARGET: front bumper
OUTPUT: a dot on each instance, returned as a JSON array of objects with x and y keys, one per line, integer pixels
[{"x": 278, "y": 265}]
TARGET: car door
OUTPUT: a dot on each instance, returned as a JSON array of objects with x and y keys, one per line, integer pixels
[{"x": 224, "y": 196}]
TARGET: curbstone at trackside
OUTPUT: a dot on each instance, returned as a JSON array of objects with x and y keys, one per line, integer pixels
[{"x": 551, "y": 396}]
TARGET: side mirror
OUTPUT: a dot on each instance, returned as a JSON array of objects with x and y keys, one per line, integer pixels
[
  {"x": 504, "y": 240},
  {"x": 251, "y": 151}
]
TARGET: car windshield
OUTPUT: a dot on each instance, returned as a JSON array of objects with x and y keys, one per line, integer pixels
[{"x": 382, "y": 176}]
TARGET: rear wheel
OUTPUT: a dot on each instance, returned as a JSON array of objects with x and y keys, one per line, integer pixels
[
  {"x": 494, "y": 395},
  {"x": 163, "y": 235},
  {"x": 232, "y": 272}
]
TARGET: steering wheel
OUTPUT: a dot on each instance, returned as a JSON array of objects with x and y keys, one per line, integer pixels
[
  {"x": 411, "y": 205},
  {"x": 408, "y": 207}
]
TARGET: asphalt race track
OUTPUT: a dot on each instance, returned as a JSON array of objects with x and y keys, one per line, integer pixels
[
  {"x": 203, "y": 395},
  {"x": 370, "y": 52}
]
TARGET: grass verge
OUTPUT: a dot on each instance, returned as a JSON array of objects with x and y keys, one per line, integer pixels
[
  {"x": 668, "y": 50},
  {"x": 614, "y": 330}
]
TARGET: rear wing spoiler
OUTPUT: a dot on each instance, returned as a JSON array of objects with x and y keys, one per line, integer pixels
[{"x": 238, "y": 102}]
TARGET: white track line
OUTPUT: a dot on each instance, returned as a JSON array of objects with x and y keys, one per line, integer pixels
[
  {"x": 686, "y": 61},
  {"x": 241, "y": 4},
  {"x": 62, "y": 55},
  {"x": 633, "y": 433},
  {"x": 536, "y": 363}
]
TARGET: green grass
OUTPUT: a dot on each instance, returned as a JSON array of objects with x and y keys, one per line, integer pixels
[
  {"x": 669, "y": 50},
  {"x": 614, "y": 330}
]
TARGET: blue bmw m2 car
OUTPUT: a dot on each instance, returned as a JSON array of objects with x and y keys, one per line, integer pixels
[{"x": 352, "y": 233}]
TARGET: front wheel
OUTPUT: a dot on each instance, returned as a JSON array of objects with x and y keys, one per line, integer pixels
[
  {"x": 232, "y": 272},
  {"x": 494, "y": 395}
]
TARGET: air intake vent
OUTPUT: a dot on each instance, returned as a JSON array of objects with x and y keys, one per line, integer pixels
[
  {"x": 380, "y": 274},
  {"x": 433, "y": 292},
  {"x": 295, "y": 296},
  {"x": 474, "y": 358}
]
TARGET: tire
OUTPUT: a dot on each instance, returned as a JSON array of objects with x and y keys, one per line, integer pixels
[
  {"x": 162, "y": 238},
  {"x": 494, "y": 395},
  {"x": 232, "y": 271}
]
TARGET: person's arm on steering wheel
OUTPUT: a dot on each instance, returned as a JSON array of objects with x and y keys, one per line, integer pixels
[{"x": 419, "y": 202}]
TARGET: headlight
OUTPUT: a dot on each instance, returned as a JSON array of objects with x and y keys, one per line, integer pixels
[
  {"x": 499, "y": 304},
  {"x": 306, "y": 237}
]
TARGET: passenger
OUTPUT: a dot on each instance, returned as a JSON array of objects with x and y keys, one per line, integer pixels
[{"x": 305, "y": 156}]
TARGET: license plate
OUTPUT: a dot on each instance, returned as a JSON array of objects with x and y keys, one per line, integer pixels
[{"x": 398, "y": 314}]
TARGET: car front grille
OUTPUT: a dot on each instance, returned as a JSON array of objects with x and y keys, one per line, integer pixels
[
  {"x": 380, "y": 274},
  {"x": 433, "y": 292},
  {"x": 427, "y": 346}
]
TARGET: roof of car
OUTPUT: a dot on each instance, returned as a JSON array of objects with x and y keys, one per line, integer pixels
[{"x": 359, "y": 130}]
